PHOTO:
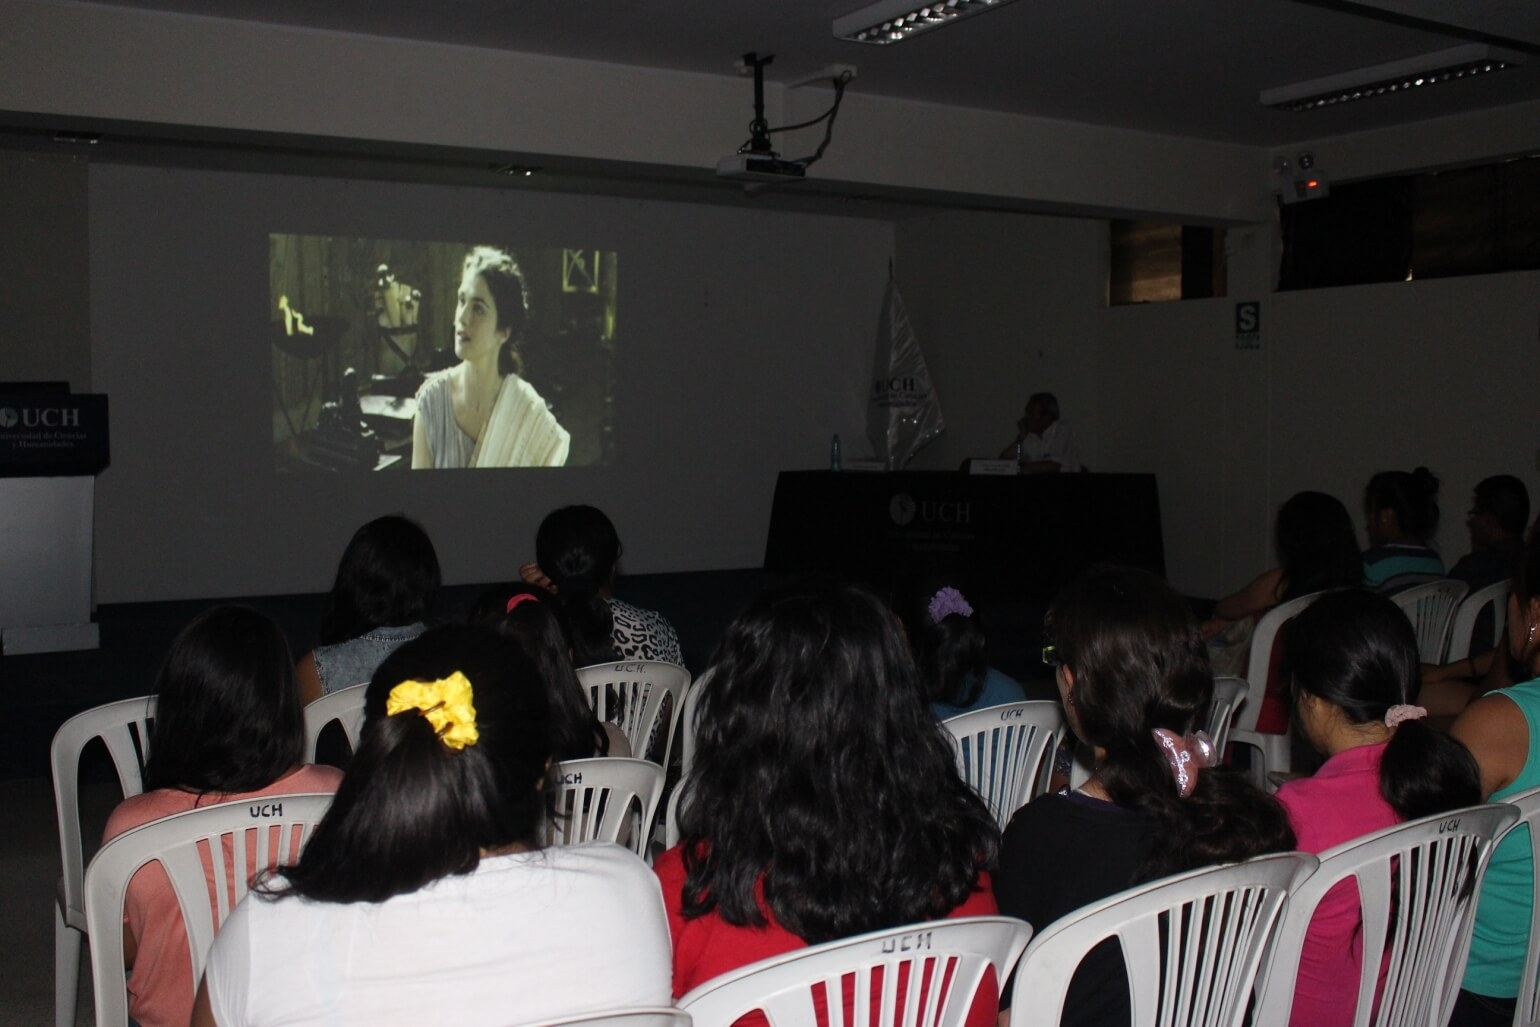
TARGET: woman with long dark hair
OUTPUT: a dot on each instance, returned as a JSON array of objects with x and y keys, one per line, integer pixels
[
  {"x": 386, "y": 586},
  {"x": 531, "y": 617},
  {"x": 1500, "y": 728},
  {"x": 1401, "y": 512},
  {"x": 227, "y": 726},
  {"x": 577, "y": 556},
  {"x": 1316, "y": 547},
  {"x": 1133, "y": 674},
  {"x": 424, "y": 893},
  {"x": 824, "y": 800},
  {"x": 1352, "y": 668}
]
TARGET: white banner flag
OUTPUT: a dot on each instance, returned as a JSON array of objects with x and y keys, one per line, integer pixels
[{"x": 902, "y": 413}]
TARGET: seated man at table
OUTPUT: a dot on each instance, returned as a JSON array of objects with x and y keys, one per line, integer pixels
[{"x": 1046, "y": 443}]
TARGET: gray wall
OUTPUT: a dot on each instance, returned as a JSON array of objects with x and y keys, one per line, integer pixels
[{"x": 745, "y": 341}]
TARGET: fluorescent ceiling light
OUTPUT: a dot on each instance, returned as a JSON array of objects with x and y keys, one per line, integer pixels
[
  {"x": 893, "y": 21},
  {"x": 1397, "y": 76}
]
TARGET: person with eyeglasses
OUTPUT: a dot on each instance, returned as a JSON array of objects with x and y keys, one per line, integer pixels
[{"x": 1133, "y": 674}]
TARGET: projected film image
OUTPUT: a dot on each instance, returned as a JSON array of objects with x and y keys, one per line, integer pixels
[{"x": 396, "y": 355}]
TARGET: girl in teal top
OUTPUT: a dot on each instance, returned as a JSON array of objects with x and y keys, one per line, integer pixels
[{"x": 1502, "y": 730}]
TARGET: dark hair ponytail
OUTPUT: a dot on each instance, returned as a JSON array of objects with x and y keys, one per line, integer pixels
[
  {"x": 411, "y": 809},
  {"x": 1139, "y": 663},
  {"x": 532, "y": 618},
  {"x": 577, "y": 548},
  {"x": 1356, "y": 650}
]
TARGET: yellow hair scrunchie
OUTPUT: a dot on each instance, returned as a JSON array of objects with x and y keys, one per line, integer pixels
[{"x": 446, "y": 703}]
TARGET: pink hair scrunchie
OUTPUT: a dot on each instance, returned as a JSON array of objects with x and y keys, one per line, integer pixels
[
  {"x": 1400, "y": 714},
  {"x": 1187, "y": 754},
  {"x": 522, "y": 597}
]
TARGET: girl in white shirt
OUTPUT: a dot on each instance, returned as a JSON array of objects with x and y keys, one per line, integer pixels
[{"x": 424, "y": 895}]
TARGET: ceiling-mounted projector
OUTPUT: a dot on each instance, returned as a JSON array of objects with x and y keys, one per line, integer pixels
[{"x": 760, "y": 167}]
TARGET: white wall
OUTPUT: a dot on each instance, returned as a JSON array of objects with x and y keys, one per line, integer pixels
[
  {"x": 1004, "y": 305},
  {"x": 186, "y": 75},
  {"x": 1348, "y": 382},
  {"x": 744, "y": 341}
]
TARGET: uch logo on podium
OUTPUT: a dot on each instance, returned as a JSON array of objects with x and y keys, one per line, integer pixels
[{"x": 50, "y": 432}]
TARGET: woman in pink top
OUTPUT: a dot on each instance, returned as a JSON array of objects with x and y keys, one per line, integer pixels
[
  {"x": 227, "y": 726},
  {"x": 1353, "y": 670}
]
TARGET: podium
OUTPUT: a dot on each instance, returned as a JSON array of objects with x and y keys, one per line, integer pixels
[
  {"x": 1023, "y": 536},
  {"x": 52, "y": 445}
]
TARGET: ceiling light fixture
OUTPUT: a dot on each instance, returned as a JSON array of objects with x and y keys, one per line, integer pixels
[
  {"x": 893, "y": 21},
  {"x": 1457, "y": 62}
]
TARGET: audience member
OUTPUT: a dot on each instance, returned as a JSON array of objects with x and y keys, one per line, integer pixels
[
  {"x": 948, "y": 645},
  {"x": 424, "y": 895},
  {"x": 577, "y": 555},
  {"x": 531, "y": 617},
  {"x": 1317, "y": 549},
  {"x": 1043, "y": 442},
  {"x": 1499, "y": 512},
  {"x": 1448, "y": 689},
  {"x": 387, "y": 584},
  {"x": 1352, "y": 667},
  {"x": 227, "y": 727},
  {"x": 1500, "y": 729},
  {"x": 824, "y": 800},
  {"x": 1401, "y": 508},
  {"x": 1133, "y": 673}
]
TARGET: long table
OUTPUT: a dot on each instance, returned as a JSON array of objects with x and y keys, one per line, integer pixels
[{"x": 1023, "y": 535}]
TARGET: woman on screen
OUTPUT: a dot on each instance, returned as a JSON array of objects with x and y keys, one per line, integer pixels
[{"x": 480, "y": 413}]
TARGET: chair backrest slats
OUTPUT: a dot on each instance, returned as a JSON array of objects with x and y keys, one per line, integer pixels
[
  {"x": 1462, "y": 630},
  {"x": 1194, "y": 944},
  {"x": 1006, "y": 752},
  {"x": 1229, "y": 695},
  {"x": 228, "y": 843},
  {"x": 344, "y": 706},
  {"x": 603, "y": 799},
  {"x": 1417, "y": 884},
  {"x": 643, "y": 697},
  {"x": 124, "y": 727},
  {"x": 940, "y": 965},
  {"x": 1430, "y": 607}
]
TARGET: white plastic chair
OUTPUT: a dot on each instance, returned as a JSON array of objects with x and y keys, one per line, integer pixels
[
  {"x": 658, "y": 1017},
  {"x": 1272, "y": 751},
  {"x": 1229, "y": 694},
  {"x": 606, "y": 798},
  {"x": 1006, "y": 752},
  {"x": 632, "y": 694},
  {"x": 1463, "y": 629},
  {"x": 1417, "y": 887},
  {"x": 1527, "y": 1010},
  {"x": 1193, "y": 944},
  {"x": 125, "y": 729},
  {"x": 1430, "y": 607},
  {"x": 687, "y": 720},
  {"x": 784, "y": 987},
  {"x": 345, "y": 706},
  {"x": 191, "y": 847}
]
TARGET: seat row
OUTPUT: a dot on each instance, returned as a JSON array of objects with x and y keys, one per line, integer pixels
[
  {"x": 606, "y": 799},
  {"x": 1212, "y": 946}
]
